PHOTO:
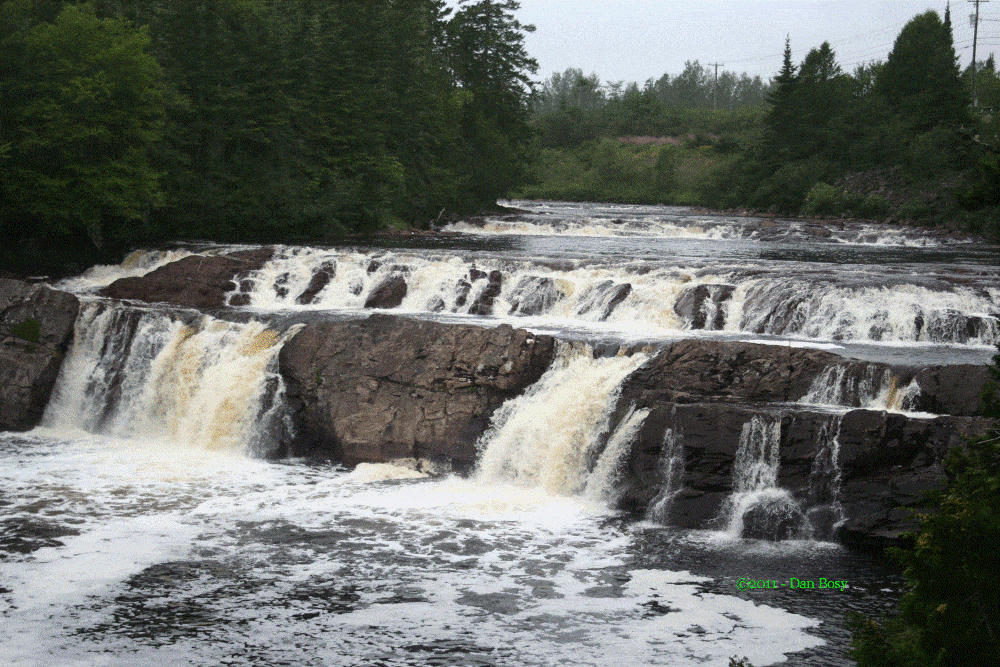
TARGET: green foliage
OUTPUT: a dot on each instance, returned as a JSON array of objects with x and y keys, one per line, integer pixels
[
  {"x": 951, "y": 615},
  {"x": 608, "y": 170},
  {"x": 937, "y": 151},
  {"x": 828, "y": 200},
  {"x": 255, "y": 120},
  {"x": 824, "y": 199},
  {"x": 84, "y": 104},
  {"x": 920, "y": 79}
]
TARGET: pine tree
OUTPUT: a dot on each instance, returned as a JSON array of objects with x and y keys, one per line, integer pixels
[{"x": 921, "y": 78}]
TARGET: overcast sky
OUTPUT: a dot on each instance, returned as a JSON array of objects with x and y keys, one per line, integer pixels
[{"x": 634, "y": 40}]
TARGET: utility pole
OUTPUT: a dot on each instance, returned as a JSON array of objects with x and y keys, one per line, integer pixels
[
  {"x": 975, "y": 39},
  {"x": 715, "y": 85}
]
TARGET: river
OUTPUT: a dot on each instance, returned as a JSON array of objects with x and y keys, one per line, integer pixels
[{"x": 143, "y": 523}]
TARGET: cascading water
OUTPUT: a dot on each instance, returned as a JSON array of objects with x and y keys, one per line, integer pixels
[
  {"x": 670, "y": 298},
  {"x": 825, "y": 511},
  {"x": 872, "y": 388},
  {"x": 548, "y": 436},
  {"x": 603, "y": 483},
  {"x": 758, "y": 508},
  {"x": 672, "y": 474},
  {"x": 196, "y": 380},
  {"x": 113, "y": 551}
]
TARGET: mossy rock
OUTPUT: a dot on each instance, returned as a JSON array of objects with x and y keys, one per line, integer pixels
[{"x": 29, "y": 330}]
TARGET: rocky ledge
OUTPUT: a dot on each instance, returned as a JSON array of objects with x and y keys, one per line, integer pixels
[
  {"x": 197, "y": 281},
  {"x": 852, "y": 474},
  {"x": 390, "y": 388},
  {"x": 36, "y": 328}
]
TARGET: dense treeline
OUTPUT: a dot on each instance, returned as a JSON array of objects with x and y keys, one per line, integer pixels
[
  {"x": 605, "y": 142},
  {"x": 899, "y": 139},
  {"x": 570, "y": 108},
  {"x": 131, "y": 121}
]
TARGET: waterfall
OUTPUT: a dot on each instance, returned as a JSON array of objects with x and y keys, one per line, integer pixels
[
  {"x": 825, "y": 511},
  {"x": 732, "y": 298},
  {"x": 757, "y": 508},
  {"x": 672, "y": 474},
  {"x": 548, "y": 436},
  {"x": 602, "y": 484},
  {"x": 146, "y": 374},
  {"x": 874, "y": 388}
]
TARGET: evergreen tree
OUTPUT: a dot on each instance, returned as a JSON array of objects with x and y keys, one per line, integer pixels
[
  {"x": 83, "y": 105},
  {"x": 920, "y": 79},
  {"x": 493, "y": 71}
]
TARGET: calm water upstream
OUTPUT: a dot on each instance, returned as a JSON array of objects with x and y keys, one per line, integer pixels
[{"x": 139, "y": 526}]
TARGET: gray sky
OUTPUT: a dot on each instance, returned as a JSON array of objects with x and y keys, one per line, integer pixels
[{"x": 634, "y": 40}]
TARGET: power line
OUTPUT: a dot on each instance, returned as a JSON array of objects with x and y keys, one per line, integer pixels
[
  {"x": 715, "y": 85},
  {"x": 975, "y": 38}
]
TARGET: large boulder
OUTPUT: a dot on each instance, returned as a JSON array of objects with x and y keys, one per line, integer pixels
[
  {"x": 388, "y": 388},
  {"x": 196, "y": 281},
  {"x": 388, "y": 294},
  {"x": 36, "y": 328},
  {"x": 695, "y": 304}
]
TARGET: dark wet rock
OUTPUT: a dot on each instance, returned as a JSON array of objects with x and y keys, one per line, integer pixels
[
  {"x": 436, "y": 305},
  {"x": 196, "y": 281},
  {"x": 281, "y": 285},
  {"x": 387, "y": 387},
  {"x": 462, "y": 293},
  {"x": 534, "y": 295},
  {"x": 387, "y": 294},
  {"x": 483, "y": 305},
  {"x": 702, "y": 394},
  {"x": 36, "y": 328},
  {"x": 774, "y": 519},
  {"x": 603, "y": 298},
  {"x": 952, "y": 326},
  {"x": 693, "y": 305},
  {"x": 951, "y": 390},
  {"x": 320, "y": 279},
  {"x": 692, "y": 371}
]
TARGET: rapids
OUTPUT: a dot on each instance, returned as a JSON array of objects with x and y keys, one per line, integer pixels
[{"x": 143, "y": 524}]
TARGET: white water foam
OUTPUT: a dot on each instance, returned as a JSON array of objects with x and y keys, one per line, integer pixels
[
  {"x": 604, "y": 482},
  {"x": 136, "y": 263},
  {"x": 755, "y": 484},
  {"x": 874, "y": 388},
  {"x": 211, "y": 559},
  {"x": 672, "y": 474}
]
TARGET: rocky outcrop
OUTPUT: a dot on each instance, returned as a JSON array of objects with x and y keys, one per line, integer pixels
[
  {"x": 388, "y": 294},
  {"x": 320, "y": 279},
  {"x": 36, "y": 328},
  {"x": 603, "y": 298},
  {"x": 692, "y": 371},
  {"x": 389, "y": 388},
  {"x": 700, "y": 306},
  {"x": 851, "y": 474},
  {"x": 884, "y": 464},
  {"x": 197, "y": 281}
]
